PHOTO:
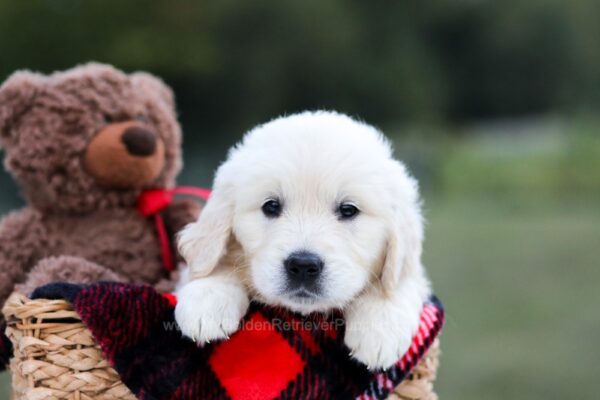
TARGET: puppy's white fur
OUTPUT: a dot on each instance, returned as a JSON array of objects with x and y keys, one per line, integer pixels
[{"x": 311, "y": 162}]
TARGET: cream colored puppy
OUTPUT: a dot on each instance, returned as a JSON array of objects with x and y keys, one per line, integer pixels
[{"x": 312, "y": 213}]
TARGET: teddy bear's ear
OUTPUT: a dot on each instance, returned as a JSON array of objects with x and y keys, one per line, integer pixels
[
  {"x": 154, "y": 86},
  {"x": 16, "y": 95}
]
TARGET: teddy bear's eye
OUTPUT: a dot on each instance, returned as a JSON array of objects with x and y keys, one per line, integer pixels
[
  {"x": 141, "y": 118},
  {"x": 108, "y": 119}
]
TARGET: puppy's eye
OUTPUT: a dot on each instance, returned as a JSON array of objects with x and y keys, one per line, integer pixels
[
  {"x": 347, "y": 211},
  {"x": 141, "y": 118},
  {"x": 108, "y": 119},
  {"x": 272, "y": 208}
]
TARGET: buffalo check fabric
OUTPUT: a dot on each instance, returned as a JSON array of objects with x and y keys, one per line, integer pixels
[{"x": 275, "y": 354}]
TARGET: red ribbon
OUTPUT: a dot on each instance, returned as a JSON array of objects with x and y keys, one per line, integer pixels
[{"x": 152, "y": 202}]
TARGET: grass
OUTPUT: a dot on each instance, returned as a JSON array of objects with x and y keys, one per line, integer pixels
[
  {"x": 521, "y": 295},
  {"x": 4, "y": 386}
]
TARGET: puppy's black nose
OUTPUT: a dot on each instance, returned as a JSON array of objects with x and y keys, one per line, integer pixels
[
  {"x": 303, "y": 267},
  {"x": 139, "y": 141}
]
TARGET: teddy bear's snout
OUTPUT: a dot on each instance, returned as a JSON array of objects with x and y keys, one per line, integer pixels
[
  {"x": 125, "y": 155},
  {"x": 139, "y": 141}
]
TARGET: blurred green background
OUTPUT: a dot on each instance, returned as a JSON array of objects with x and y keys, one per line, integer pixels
[{"x": 493, "y": 105}]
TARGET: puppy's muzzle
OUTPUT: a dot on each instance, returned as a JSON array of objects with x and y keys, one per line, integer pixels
[{"x": 303, "y": 269}]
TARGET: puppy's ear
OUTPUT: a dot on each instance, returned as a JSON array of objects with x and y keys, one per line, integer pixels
[
  {"x": 204, "y": 242},
  {"x": 405, "y": 237}
]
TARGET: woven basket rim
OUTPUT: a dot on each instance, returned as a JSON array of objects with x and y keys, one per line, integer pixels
[{"x": 19, "y": 306}]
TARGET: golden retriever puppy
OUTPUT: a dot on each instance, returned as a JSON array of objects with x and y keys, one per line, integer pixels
[{"x": 309, "y": 212}]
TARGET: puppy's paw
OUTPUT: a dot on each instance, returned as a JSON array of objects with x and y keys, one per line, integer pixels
[
  {"x": 210, "y": 310},
  {"x": 375, "y": 348},
  {"x": 379, "y": 332}
]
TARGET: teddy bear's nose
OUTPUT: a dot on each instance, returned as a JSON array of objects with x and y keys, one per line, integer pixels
[{"x": 139, "y": 141}]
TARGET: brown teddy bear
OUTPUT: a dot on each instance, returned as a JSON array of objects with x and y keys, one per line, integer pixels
[{"x": 83, "y": 144}]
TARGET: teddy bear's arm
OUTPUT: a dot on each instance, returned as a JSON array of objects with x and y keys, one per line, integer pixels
[
  {"x": 180, "y": 213},
  {"x": 23, "y": 240},
  {"x": 66, "y": 269},
  {"x": 176, "y": 216}
]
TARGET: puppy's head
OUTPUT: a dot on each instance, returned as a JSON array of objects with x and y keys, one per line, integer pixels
[{"x": 318, "y": 209}]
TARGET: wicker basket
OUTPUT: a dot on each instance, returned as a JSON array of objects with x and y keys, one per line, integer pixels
[{"x": 55, "y": 357}]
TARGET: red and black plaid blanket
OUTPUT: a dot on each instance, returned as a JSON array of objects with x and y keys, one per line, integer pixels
[{"x": 275, "y": 354}]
